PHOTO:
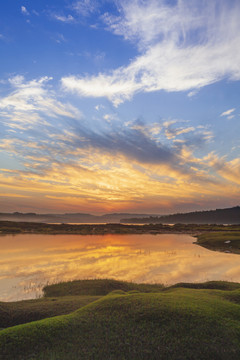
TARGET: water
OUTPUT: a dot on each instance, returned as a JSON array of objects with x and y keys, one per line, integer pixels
[{"x": 28, "y": 262}]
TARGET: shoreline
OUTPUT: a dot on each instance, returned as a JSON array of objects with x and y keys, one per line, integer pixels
[{"x": 11, "y": 227}]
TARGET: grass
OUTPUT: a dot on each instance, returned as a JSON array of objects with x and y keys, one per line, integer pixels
[
  {"x": 216, "y": 285},
  {"x": 20, "y": 312},
  {"x": 96, "y": 287},
  {"x": 177, "y": 323},
  {"x": 221, "y": 241}
]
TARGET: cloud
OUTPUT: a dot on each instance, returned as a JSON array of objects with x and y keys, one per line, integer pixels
[
  {"x": 142, "y": 144},
  {"x": 110, "y": 117},
  {"x": 14, "y": 195},
  {"x": 228, "y": 112},
  {"x": 182, "y": 47},
  {"x": 229, "y": 170},
  {"x": 99, "y": 107},
  {"x": 59, "y": 38},
  {"x": 32, "y": 102},
  {"x": 67, "y": 160},
  {"x": 85, "y": 7},
  {"x": 63, "y": 18},
  {"x": 24, "y": 11},
  {"x": 132, "y": 143},
  {"x": 192, "y": 93},
  {"x": 33, "y": 107},
  {"x": 171, "y": 133},
  {"x": 132, "y": 165},
  {"x": 35, "y": 12}
]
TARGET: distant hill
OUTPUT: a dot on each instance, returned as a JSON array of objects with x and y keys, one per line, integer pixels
[
  {"x": 218, "y": 216},
  {"x": 68, "y": 217}
]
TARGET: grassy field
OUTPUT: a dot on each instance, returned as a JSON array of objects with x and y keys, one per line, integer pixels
[
  {"x": 221, "y": 241},
  {"x": 177, "y": 323}
]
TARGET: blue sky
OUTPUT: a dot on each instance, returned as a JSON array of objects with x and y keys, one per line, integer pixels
[{"x": 119, "y": 106}]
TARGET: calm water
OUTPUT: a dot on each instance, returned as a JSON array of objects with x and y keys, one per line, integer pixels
[{"x": 27, "y": 262}]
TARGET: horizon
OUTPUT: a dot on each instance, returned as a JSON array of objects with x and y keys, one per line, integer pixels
[
  {"x": 126, "y": 107},
  {"x": 116, "y": 213}
]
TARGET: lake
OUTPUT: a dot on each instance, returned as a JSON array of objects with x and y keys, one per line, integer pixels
[{"x": 28, "y": 262}]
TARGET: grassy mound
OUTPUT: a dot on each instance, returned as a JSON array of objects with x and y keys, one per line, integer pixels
[
  {"x": 175, "y": 324},
  {"x": 96, "y": 287},
  {"x": 21, "y": 312},
  {"x": 216, "y": 285}
]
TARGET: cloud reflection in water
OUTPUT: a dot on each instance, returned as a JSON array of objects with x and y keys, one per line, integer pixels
[{"x": 27, "y": 262}]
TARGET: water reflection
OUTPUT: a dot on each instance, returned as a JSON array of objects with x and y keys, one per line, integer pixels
[{"x": 27, "y": 262}]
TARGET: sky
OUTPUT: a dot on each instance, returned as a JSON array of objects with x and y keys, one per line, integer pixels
[{"x": 119, "y": 106}]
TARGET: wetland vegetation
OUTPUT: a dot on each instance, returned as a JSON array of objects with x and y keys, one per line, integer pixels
[
  {"x": 220, "y": 241},
  {"x": 12, "y": 227}
]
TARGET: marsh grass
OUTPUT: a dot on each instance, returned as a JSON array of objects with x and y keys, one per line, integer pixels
[
  {"x": 97, "y": 287},
  {"x": 220, "y": 241},
  {"x": 12, "y": 227}
]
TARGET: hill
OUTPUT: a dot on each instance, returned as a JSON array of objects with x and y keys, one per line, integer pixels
[
  {"x": 67, "y": 218},
  {"x": 218, "y": 216}
]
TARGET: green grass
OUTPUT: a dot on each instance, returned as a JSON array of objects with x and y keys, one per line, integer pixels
[
  {"x": 96, "y": 287},
  {"x": 20, "y": 312},
  {"x": 217, "y": 241},
  {"x": 178, "y": 323},
  {"x": 216, "y": 285}
]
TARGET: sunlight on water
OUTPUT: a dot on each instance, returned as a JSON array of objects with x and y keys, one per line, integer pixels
[{"x": 28, "y": 262}]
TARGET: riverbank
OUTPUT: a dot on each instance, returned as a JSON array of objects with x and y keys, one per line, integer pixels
[
  {"x": 11, "y": 227},
  {"x": 223, "y": 241}
]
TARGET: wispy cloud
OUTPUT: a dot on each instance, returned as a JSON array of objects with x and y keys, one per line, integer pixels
[
  {"x": 31, "y": 102},
  {"x": 80, "y": 8},
  {"x": 85, "y": 7},
  {"x": 99, "y": 107},
  {"x": 24, "y": 11},
  {"x": 228, "y": 112},
  {"x": 229, "y": 170},
  {"x": 59, "y": 38},
  {"x": 181, "y": 46},
  {"x": 14, "y": 195},
  {"x": 172, "y": 133},
  {"x": 65, "y": 19},
  {"x": 35, "y": 12}
]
